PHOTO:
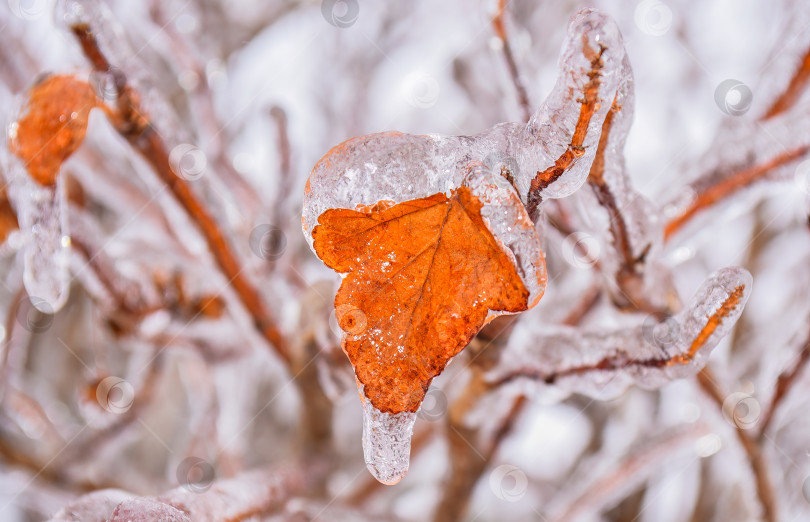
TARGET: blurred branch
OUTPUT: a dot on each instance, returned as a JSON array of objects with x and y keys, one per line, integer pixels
[
  {"x": 783, "y": 384},
  {"x": 730, "y": 185},
  {"x": 631, "y": 470},
  {"x": 138, "y": 130},
  {"x": 797, "y": 85},
  {"x": 753, "y": 450},
  {"x": 499, "y": 25}
]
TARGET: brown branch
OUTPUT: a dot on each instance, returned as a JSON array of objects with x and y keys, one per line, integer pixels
[
  {"x": 499, "y": 25},
  {"x": 137, "y": 128},
  {"x": 731, "y": 185},
  {"x": 752, "y": 449},
  {"x": 783, "y": 385},
  {"x": 588, "y": 106},
  {"x": 789, "y": 97}
]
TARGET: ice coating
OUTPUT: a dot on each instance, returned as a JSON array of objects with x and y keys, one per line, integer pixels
[
  {"x": 549, "y": 132},
  {"x": 387, "y": 442},
  {"x": 398, "y": 167},
  {"x": 604, "y": 364},
  {"x": 41, "y": 211},
  {"x": 508, "y": 221}
]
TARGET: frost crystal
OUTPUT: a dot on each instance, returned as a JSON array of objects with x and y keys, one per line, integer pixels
[{"x": 386, "y": 442}]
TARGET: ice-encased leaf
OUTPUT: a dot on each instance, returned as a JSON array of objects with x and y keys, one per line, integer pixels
[{"x": 604, "y": 364}]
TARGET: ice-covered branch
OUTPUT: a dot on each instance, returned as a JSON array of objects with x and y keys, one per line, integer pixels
[
  {"x": 565, "y": 130},
  {"x": 136, "y": 127},
  {"x": 250, "y": 494},
  {"x": 604, "y": 364}
]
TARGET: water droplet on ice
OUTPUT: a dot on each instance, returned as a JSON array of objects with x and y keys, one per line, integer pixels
[{"x": 387, "y": 442}]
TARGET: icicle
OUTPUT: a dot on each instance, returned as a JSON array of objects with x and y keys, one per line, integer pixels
[
  {"x": 386, "y": 442},
  {"x": 41, "y": 211}
]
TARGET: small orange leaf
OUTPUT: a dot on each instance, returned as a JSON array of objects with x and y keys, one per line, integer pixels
[
  {"x": 422, "y": 277},
  {"x": 53, "y": 125}
]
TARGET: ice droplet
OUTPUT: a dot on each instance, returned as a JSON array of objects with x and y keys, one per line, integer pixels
[{"x": 387, "y": 442}]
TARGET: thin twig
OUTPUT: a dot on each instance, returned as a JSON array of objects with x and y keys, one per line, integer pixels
[
  {"x": 783, "y": 386},
  {"x": 798, "y": 83},
  {"x": 588, "y": 107},
  {"x": 499, "y": 25},
  {"x": 731, "y": 185},
  {"x": 764, "y": 486}
]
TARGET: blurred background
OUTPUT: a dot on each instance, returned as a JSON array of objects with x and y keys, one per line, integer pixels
[{"x": 153, "y": 377}]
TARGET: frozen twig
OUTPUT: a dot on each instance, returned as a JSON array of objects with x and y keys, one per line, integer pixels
[
  {"x": 499, "y": 25},
  {"x": 575, "y": 110},
  {"x": 137, "y": 128},
  {"x": 604, "y": 364},
  {"x": 248, "y": 495}
]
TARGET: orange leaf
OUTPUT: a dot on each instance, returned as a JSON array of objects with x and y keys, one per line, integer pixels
[
  {"x": 422, "y": 278},
  {"x": 53, "y": 125}
]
